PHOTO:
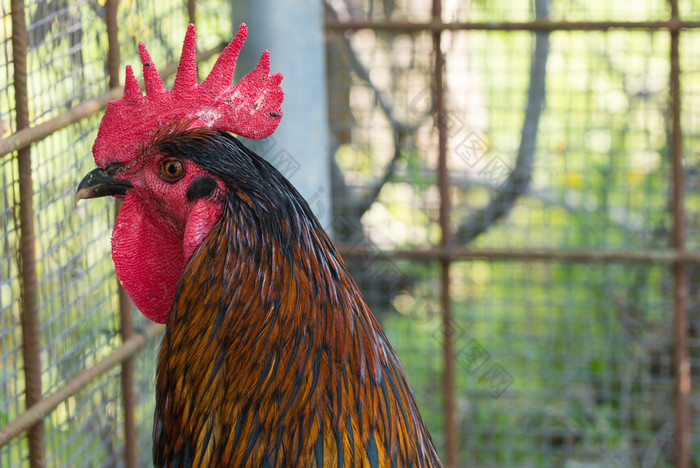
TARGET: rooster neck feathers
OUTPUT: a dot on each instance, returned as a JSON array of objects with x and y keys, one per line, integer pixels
[{"x": 271, "y": 341}]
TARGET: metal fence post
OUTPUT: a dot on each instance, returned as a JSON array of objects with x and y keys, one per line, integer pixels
[
  {"x": 192, "y": 11},
  {"x": 31, "y": 337},
  {"x": 126, "y": 328},
  {"x": 681, "y": 359},
  {"x": 448, "y": 376}
]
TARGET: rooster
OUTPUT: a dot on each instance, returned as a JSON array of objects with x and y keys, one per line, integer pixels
[{"x": 271, "y": 357}]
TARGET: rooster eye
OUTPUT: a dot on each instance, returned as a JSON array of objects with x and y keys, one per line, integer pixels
[{"x": 172, "y": 170}]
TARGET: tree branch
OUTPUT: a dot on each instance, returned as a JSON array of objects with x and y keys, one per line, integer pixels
[
  {"x": 401, "y": 128},
  {"x": 519, "y": 179}
]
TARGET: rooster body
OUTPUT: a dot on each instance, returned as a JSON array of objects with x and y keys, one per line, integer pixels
[{"x": 271, "y": 357}]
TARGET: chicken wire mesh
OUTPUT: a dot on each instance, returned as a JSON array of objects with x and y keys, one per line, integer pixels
[{"x": 556, "y": 363}]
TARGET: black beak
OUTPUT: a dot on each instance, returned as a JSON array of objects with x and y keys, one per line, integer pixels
[{"x": 100, "y": 183}]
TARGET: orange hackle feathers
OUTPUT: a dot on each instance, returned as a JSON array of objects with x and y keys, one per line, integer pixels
[{"x": 286, "y": 368}]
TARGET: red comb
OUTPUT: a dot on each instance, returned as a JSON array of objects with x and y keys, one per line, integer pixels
[{"x": 250, "y": 108}]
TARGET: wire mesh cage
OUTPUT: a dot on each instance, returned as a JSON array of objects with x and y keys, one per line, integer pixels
[
  {"x": 66, "y": 45},
  {"x": 558, "y": 154},
  {"x": 514, "y": 188}
]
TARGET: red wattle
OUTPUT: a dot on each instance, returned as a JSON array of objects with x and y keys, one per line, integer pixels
[{"x": 148, "y": 258}]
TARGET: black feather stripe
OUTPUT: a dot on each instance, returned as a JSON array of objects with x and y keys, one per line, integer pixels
[
  {"x": 372, "y": 452},
  {"x": 251, "y": 442},
  {"x": 237, "y": 430},
  {"x": 351, "y": 436},
  {"x": 318, "y": 451},
  {"x": 339, "y": 449}
]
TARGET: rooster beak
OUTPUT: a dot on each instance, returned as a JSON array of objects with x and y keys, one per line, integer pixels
[{"x": 100, "y": 183}]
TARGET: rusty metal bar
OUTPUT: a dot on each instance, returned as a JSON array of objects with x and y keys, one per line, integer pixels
[
  {"x": 681, "y": 359},
  {"x": 192, "y": 11},
  {"x": 665, "y": 256},
  {"x": 448, "y": 376},
  {"x": 126, "y": 328},
  {"x": 535, "y": 25},
  {"x": 25, "y": 137},
  {"x": 37, "y": 412},
  {"x": 113, "y": 52},
  {"x": 31, "y": 336}
]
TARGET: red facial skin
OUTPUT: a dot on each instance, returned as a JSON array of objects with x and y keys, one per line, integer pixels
[{"x": 158, "y": 230}]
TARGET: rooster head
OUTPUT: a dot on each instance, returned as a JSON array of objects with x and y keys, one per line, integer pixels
[{"x": 171, "y": 201}]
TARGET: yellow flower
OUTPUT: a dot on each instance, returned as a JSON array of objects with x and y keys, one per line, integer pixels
[
  {"x": 574, "y": 179},
  {"x": 635, "y": 176}
]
